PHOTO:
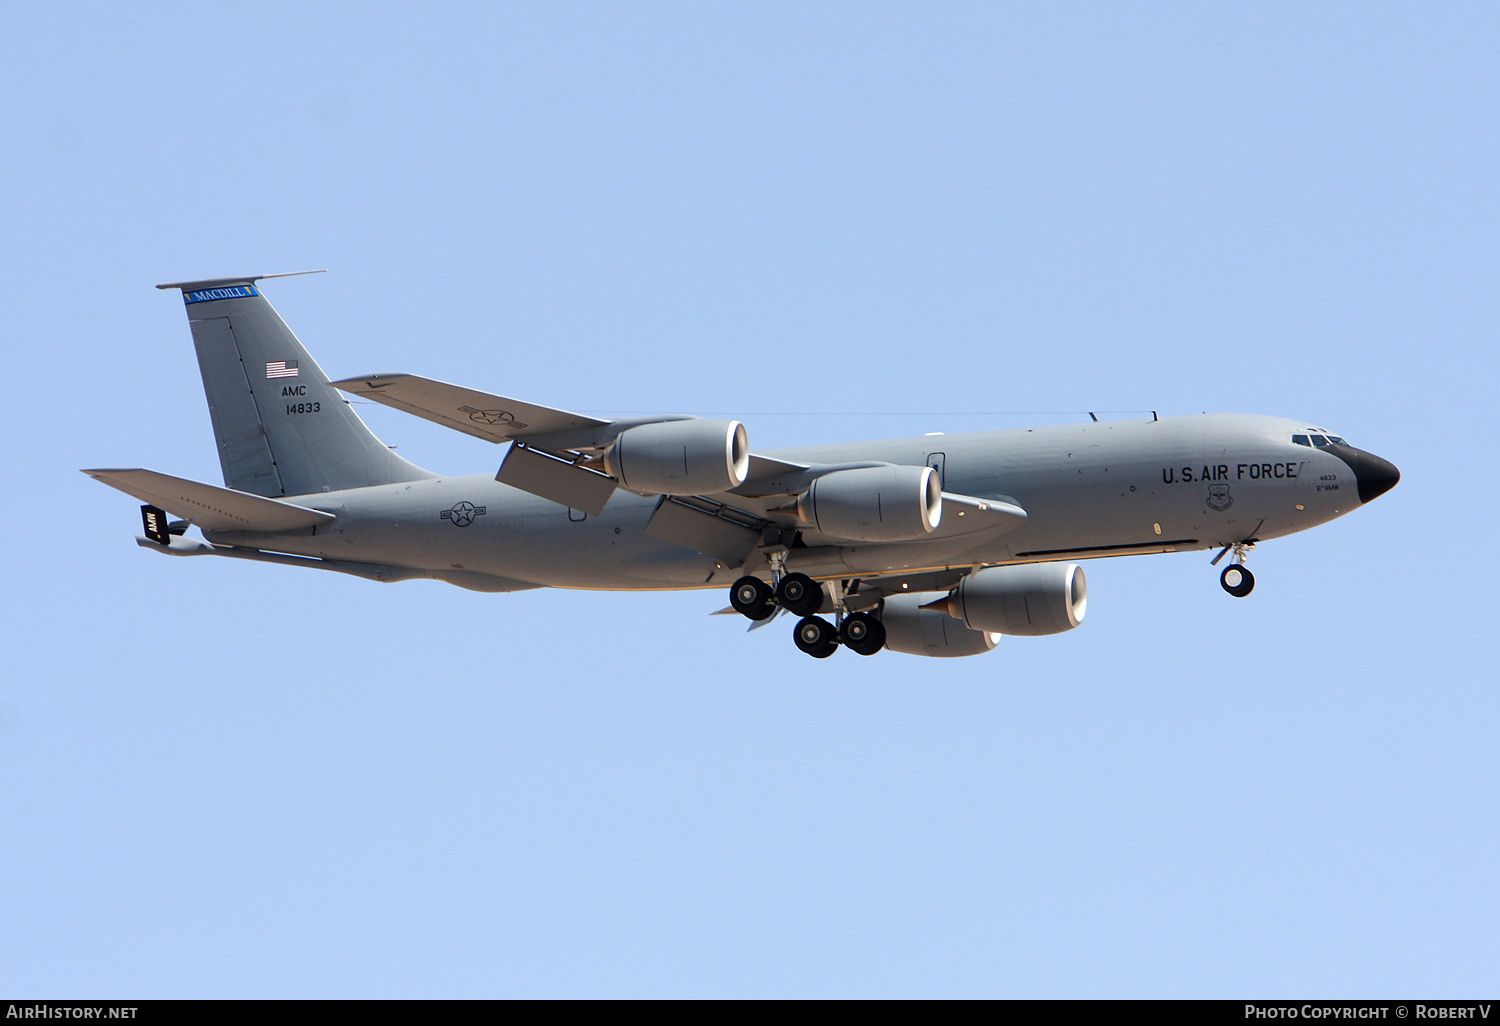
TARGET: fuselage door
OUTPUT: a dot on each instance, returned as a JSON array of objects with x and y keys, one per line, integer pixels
[{"x": 936, "y": 460}]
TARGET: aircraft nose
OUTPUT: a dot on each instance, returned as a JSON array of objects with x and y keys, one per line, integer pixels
[{"x": 1373, "y": 475}]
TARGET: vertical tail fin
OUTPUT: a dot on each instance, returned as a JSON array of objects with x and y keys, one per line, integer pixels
[{"x": 281, "y": 429}]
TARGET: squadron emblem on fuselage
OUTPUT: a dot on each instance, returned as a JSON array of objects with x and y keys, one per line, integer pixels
[{"x": 1219, "y": 498}]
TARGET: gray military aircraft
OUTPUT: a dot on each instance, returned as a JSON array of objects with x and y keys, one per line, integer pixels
[{"x": 931, "y": 546}]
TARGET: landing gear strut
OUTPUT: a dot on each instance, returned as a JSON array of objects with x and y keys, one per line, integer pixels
[{"x": 1236, "y": 578}]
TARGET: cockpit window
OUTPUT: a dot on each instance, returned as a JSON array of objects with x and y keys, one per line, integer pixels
[{"x": 1317, "y": 441}]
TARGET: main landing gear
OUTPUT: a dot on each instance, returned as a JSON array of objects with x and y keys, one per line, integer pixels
[
  {"x": 862, "y": 633},
  {"x": 751, "y": 596},
  {"x": 1236, "y": 578},
  {"x": 799, "y": 594},
  {"x": 816, "y": 636}
]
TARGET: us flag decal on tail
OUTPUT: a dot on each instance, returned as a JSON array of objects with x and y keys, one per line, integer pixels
[{"x": 281, "y": 369}]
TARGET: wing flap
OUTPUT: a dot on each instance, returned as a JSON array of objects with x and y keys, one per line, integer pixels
[
  {"x": 563, "y": 483},
  {"x": 702, "y": 531},
  {"x": 495, "y": 418},
  {"x": 209, "y": 506}
]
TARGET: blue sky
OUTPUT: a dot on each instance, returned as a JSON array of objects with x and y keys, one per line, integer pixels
[{"x": 841, "y": 221}]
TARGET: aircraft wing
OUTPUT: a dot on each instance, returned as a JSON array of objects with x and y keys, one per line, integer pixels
[
  {"x": 550, "y": 460},
  {"x": 546, "y": 461},
  {"x": 768, "y": 472},
  {"x": 209, "y": 506},
  {"x": 494, "y": 418}
]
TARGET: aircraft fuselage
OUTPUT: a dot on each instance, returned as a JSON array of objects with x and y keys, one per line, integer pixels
[{"x": 1090, "y": 490}]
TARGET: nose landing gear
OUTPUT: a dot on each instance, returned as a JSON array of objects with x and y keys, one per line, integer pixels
[{"x": 1236, "y": 578}]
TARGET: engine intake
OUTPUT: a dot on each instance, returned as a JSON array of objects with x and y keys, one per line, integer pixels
[
  {"x": 929, "y": 632},
  {"x": 1032, "y": 599},
  {"x": 875, "y": 504},
  {"x": 680, "y": 457}
]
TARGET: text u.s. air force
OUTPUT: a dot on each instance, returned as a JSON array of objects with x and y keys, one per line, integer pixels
[{"x": 1230, "y": 472}]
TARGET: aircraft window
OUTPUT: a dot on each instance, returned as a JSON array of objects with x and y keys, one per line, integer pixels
[
  {"x": 1319, "y": 440},
  {"x": 1300, "y": 440},
  {"x": 1337, "y": 440}
]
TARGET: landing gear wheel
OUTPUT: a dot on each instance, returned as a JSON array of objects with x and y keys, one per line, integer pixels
[
  {"x": 1237, "y": 580},
  {"x": 816, "y": 636},
  {"x": 800, "y": 594},
  {"x": 751, "y": 596},
  {"x": 862, "y": 633}
]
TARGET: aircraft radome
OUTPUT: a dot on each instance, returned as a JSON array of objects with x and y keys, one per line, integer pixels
[{"x": 931, "y": 546}]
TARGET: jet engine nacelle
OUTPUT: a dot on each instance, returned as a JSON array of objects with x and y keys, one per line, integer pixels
[
  {"x": 875, "y": 504},
  {"x": 680, "y": 457},
  {"x": 1033, "y": 599},
  {"x": 929, "y": 632}
]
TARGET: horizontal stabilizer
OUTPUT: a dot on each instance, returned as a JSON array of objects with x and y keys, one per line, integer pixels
[
  {"x": 244, "y": 279},
  {"x": 209, "y": 506},
  {"x": 491, "y": 417}
]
